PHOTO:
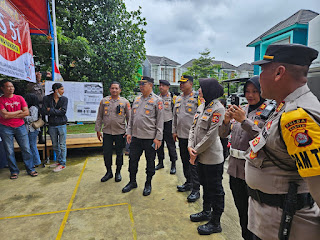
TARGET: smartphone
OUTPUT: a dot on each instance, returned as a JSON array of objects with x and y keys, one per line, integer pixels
[
  {"x": 153, "y": 145},
  {"x": 235, "y": 100}
]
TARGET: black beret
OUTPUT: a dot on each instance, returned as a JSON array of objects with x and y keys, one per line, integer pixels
[
  {"x": 165, "y": 82},
  {"x": 147, "y": 79},
  {"x": 185, "y": 78},
  {"x": 295, "y": 54}
]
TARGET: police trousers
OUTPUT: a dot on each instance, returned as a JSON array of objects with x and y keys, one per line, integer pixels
[
  {"x": 189, "y": 170},
  {"x": 108, "y": 141},
  {"x": 167, "y": 137},
  {"x": 210, "y": 177},
  {"x": 239, "y": 191},
  {"x": 137, "y": 147}
]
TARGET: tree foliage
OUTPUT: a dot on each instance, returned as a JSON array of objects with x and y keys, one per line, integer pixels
[
  {"x": 202, "y": 67},
  {"x": 99, "y": 40}
]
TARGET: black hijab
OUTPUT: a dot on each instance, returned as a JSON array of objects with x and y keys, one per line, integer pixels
[
  {"x": 255, "y": 81},
  {"x": 211, "y": 89}
]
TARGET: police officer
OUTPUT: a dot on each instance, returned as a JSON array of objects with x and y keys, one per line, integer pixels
[
  {"x": 144, "y": 133},
  {"x": 167, "y": 128},
  {"x": 283, "y": 166},
  {"x": 113, "y": 113},
  {"x": 204, "y": 145},
  {"x": 184, "y": 110},
  {"x": 243, "y": 124}
]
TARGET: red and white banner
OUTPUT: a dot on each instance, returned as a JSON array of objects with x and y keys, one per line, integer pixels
[
  {"x": 16, "y": 55},
  {"x": 36, "y": 11}
]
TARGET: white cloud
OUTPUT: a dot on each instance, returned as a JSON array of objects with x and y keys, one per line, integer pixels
[{"x": 180, "y": 29}]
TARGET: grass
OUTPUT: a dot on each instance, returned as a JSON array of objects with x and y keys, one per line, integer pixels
[{"x": 83, "y": 128}]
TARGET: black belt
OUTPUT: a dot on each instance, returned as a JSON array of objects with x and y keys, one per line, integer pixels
[{"x": 278, "y": 200}]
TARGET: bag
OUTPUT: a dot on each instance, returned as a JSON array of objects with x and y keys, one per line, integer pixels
[{"x": 37, "y": 124}]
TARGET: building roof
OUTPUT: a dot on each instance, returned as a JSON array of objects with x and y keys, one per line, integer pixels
[
  {"x": 223, "y": 64},
  {"x": 300, "y": 17},
  {"x": 245, "y": 67},
  {"x": 161, "y": 61}
]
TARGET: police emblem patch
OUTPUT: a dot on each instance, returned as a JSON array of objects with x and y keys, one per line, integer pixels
[
  {"x": 160, "y": 106},
  {"x": 268, "y": 125},
  {"x": 256, "y": 141},
  {"x": 147, "y": 112},
  {"x": 216, "y": 117},
  {"x": 256, "y": 122},
  {"x": 253, "y": 155},
  {"x": 301, "y": 138}
]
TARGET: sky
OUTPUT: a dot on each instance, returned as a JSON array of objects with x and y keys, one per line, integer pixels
[{"x": 181, "y": 29}]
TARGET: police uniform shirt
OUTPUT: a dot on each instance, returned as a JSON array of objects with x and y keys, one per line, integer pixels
[
  {"x": 184, "y": 110},
  {"x": 113, "y": 114},
  {"x": 298, "y": 146},
  {"x": 146, "y": 120},
  {"x": 241, "y": 134},
  {"x": 167, "y": 106},
  {"x": 204, "y": 133}
]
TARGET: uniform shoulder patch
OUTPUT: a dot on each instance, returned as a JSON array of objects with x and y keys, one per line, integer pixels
[
  {"x": 216, "y": 117},
  {"x": 301, "y": 135}
]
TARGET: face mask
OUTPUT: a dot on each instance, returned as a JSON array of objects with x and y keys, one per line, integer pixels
[{"x": 58, "y": 94}]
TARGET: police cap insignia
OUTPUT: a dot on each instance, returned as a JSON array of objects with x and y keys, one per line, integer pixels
[
  {"x": 295, "y": 54},
  {"x": 185, "y": 78},
  {"x": 147, "y": 79}
]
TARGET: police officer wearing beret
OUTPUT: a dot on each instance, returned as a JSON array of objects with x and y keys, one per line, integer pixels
[
  {"x": 113, "y": 113},
  {"x": 167, "y": 128},
  {"x": 144, "y": 133},
  {"x": 283, "y": 161},
  {"x": 184, "y": 110}
]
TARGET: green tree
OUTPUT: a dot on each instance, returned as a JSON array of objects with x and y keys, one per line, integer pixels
[
  {"x": 202, "y": 67},
  {"x": 99, "y": 40}
]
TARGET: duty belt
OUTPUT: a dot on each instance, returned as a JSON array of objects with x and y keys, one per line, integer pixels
[
  {"x": 237, "y": 153},
  {"x": 278, "y": 200}
]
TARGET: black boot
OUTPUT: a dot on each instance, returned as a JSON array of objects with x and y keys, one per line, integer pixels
[
  {"x": 129, "y": 187},
  {"x": 147, "y": 188},
  {"x": 184, "y": 187},
  {"x": 205, "y": 215},
  {"x": 173, "y": 167},
  {"x": 160, "y": 165},
  {"x": 107, "y": 176},
  {"x": 194, "y": 196},
  {"x": 213, "y": 226},
  {"x": 118, "y": 177}
]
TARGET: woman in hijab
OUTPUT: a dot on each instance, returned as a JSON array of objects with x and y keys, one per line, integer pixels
[
  {"x": 243, "y": 124},
  {"x": 205, "y": 147}
]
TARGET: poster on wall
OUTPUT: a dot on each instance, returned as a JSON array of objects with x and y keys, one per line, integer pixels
[
  {"x": 83, "y": 99},
  {"x": 16, "y": 55}
]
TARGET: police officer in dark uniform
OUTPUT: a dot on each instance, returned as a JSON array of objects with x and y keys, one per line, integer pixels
[
  {"x": 167, "y": 129},
  {"x": 144, "y": 133}
]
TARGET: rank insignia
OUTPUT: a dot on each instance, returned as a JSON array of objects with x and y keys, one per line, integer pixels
[
  {"x": 268, "y": 125},
  {"x": 106, "y": 102},
  {"x": 204, "y": 117},
  {"x": 263, "y": 106},
  {"x": 209, "y": 110},
  {"x": 253, "y": 155},
  {"x": 280, "y": 106},
  {"x": 256, "y": 141}
]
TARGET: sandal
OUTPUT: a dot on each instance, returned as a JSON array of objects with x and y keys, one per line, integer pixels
[
  {"x": 33, "y": 174},
  {"x": 14, "y": 176}
]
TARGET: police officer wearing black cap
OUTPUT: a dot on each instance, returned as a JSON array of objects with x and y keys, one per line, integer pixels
[
  {"x": 144, "y": 133},
  {"x": 184, "y": 110},
  {"x": 283, "y": 162},
  {"x": 167, "y": 128}
]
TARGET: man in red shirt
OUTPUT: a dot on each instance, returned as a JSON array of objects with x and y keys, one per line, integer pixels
[{"x": 13, "y": 108}]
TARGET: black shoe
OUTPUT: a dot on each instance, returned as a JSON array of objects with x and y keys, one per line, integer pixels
[
  {"x": 118, "y": 177},
  {"x": 129, "y": 187},
  {"x": 194, "y": 196},
  {"x": 159, "y": 166},
  {"x": 209, "y": 228},
  {"x": 185, "y": 187},
  {"x": 173, "y": 168},
  {"x": 107, "y": 177},
  {"x": 201, "y": 216},
  {"x": 147, "y": 189}
]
